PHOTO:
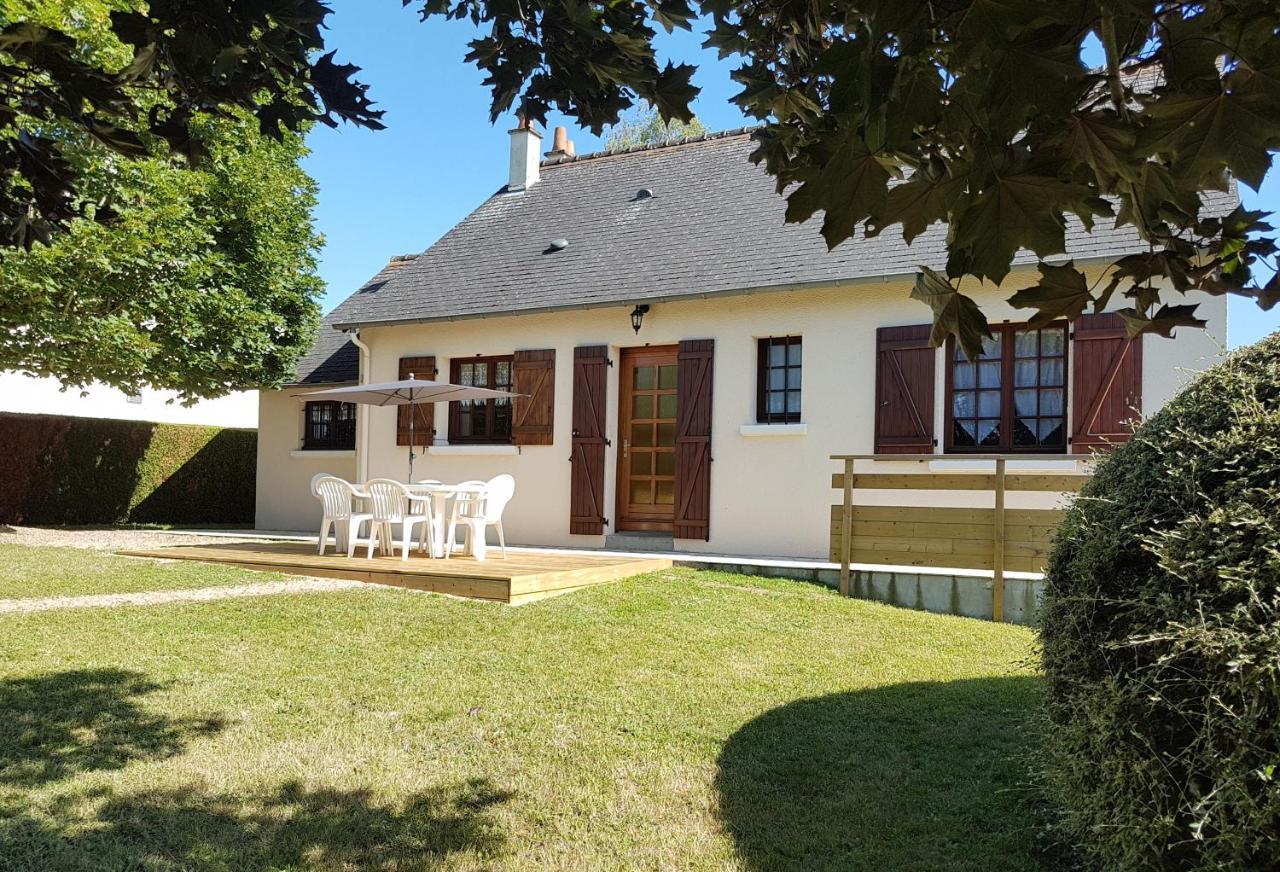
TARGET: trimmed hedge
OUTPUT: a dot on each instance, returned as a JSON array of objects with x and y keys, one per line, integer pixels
[
  {"x": 56, "y": 469},
  {"x": 1161, "y": 635}
]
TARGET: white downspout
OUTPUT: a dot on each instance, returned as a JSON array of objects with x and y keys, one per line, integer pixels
[{"x": 362, "y": 409}]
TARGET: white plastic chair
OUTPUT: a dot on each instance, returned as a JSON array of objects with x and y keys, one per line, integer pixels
[
  {"x": 477, "y": 510},
  {"x": 392, "y": 503},
  {"x": 337, "y": 496}
]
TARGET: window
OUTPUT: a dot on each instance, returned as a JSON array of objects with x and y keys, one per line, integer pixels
[
  {"x": 481, "y": 421},
  {"x": 778, "y": 380},
  {"x": 1012, "y": 398},
  {"x": 134, "y": 399},
  {"x": 329, "y": 426}
]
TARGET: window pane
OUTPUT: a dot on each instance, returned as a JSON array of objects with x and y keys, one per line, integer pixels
[
  {"x": 667, "y": 406},
  {"x": 502, "y": 418},
  {"x": 989, "y": 404},
  {"x": 1051, "y": 372},
  {"x": 1024, "y": 403},
  {"x": 1051, "y": 402},
  {"x": 962, "y": 404},
  {"x": 777, "y": 379},
  {"x": 646, "y": 377},
  {"x": 482, "y": 374},
  {"x": 777, "y": 355},
  {"x": 1024, "y": 432},
  {"x": 642, "y": 406},
  {"x": 793, "y": 353},
  {"x": 463, "y": 424},
  {"x": 989, "y": 374},
  {"x": 1052, "y": 342},
  {"x": 667, "y": 377},
  {"x": 502, "y": 374},
  {"x": 988, "y": 432},
  {"x": 642, "y": 434},
  {"x": 666, "y": 463},
  {"x": 1051, "y": 430},
  {"x": 965, "y": 375},
  {"x": 963, "y": 433},
  {"x": 793, "y": 378},
  {"x": 793, "y": 402},
  {"x": 1024, "y": 343},
  {"x": 775, "y": 402},
  {"x": 991, "y": 348},
  {"x": 642, "y": 492},
  {"x": 666, "y": 434},
  {"x": 641, "y": 463},
  {"x": 666, "y": 493},
  {"x": 466, "y": 374},
  {"x": 1025, "y": 374}
]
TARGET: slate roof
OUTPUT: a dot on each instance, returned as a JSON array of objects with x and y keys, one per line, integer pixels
[
  {"x": 334, "y": 358},
  {"x": 714, "y": 225}
]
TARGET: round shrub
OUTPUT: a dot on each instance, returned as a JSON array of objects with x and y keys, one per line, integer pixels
[{"x": 1161, "y": 636}]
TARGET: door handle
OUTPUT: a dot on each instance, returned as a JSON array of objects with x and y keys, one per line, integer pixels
[{"x": 626, "y": 448}]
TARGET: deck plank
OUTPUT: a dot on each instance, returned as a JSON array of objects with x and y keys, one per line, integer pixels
[{"x": 524, "y": 576}]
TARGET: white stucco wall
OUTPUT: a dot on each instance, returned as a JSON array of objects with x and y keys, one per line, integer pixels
[
  {"x": 44, "y": 396},
  {"x": 770, "y": 494}
]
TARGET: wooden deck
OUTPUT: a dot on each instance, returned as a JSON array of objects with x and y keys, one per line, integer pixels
[{"x": 522, "y": 577}]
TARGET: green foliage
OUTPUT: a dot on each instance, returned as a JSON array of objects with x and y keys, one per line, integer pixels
[
  {"x": 62, "y": 470},
  {"x": 1161, "y": 634},
  {"x": 976, "y": 113},
  {"x": 203, "y": 282},
  {"x": 650, "y": 128},
  {"x": 138, "y": 78}
]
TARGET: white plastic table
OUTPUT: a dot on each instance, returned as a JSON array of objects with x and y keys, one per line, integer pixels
[{"x": 440, "y": 494}]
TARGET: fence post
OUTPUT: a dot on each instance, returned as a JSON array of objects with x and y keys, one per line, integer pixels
[
  {"x": 997, "y": 561},
  {"x": 846, "y": 527}
]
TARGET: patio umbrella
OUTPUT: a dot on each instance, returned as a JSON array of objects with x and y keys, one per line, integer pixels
[{"x": 407, "y": 392}]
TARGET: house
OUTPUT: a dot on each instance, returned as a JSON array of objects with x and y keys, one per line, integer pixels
[
  {"x": 689, "y": 361},
  {"x": 44, "y": 395}
]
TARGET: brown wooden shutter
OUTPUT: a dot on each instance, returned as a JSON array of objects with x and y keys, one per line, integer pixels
[
  {"x": 421, "y": 368},
  {"x": 693, "y": 440},
  {"x": 904, "y": 390},
  {"x": 533, "y": 374},
  {"x": 586, "y": 482},
  {"x": 1106, "y": 392}
]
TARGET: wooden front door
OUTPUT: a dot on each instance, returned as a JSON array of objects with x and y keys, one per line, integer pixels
[{"x": 647, "y": 432}]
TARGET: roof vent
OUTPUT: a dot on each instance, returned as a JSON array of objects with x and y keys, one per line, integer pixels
[
  {"x": 557, "y": 244},
  {"x": 642, "y": 194}
]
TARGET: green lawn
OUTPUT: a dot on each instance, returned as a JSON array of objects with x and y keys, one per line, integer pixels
[
  {"x": 46, "y": 572},
  {"x": 680, "y": 720}
]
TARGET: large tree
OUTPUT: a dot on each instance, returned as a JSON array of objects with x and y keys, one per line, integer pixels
[
  {"x": 649, "y": 128},
  {"x": 198, "y": 276},
  {"x": 977, "y": 113}
]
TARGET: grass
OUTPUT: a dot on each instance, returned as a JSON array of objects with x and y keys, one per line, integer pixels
[
  {"x": 48, "y": 572},
  {"x": 683, "y": 719}
]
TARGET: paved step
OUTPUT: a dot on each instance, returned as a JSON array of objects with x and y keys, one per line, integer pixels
[{"x": 639, "y": 541}]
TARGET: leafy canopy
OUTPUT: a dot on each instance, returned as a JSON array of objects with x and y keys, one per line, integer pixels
[
  {"x": 203, "y": 278},
  {"x": 137, "y": 78},
  {"x": 649, "y": 128},
  {"x": 976, "y": 113}
]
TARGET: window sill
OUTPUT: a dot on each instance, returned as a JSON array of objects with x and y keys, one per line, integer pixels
[
  {"x": 1068, "y": 463},
  {"x": 800, "y": 429},
  {"x": 319, "y": 453},
  {"x": 475, "y": 450}
]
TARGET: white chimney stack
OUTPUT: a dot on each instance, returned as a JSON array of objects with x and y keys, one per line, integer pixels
[{"x": 525, "y": 145}]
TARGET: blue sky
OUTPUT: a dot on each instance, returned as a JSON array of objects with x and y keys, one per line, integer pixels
[{"x": 396, "y": 191}]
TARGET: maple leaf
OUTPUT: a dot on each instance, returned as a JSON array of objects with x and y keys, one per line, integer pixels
[
  {"x": 1204, "y": 133},
  {"x": 1097, "y": 140},
  {"x": 850, "y": 187},
  {"x": 954, "y": 314},
  {"x": 916, "y": 203},
  {"x": 1163, "y": 322},
  {"x": 1017, "y": 210},
  {"x": 1061, "y": 292}
]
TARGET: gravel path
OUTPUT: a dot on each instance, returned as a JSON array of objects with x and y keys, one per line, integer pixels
[
  {"x": 107, "y": 538},
  {"x": 158, "y": 597}
]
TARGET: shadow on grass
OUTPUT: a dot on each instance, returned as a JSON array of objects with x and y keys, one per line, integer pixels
[
  {"x": 60, "y": 724},
  {"x": 291, "y": 827},
  {"x": 927, "y": 775}
]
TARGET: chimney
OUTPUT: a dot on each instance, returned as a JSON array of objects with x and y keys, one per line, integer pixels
[
  {"x": 525, "y": 144},
  {"x": 561, "y": 146}
]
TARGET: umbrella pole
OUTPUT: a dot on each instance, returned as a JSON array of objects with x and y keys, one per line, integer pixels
[{"x": 413, "y": 413}]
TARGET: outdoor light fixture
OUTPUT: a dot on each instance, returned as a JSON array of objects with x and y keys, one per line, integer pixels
[{"x": 637, "y": 316}]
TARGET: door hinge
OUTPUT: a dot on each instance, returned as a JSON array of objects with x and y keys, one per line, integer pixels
[
  {"x": 608, "y": 443},
  {"x": 604, "y": 521},
  {"x": 608, "y": 361}
]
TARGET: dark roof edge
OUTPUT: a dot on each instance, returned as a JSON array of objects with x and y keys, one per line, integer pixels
[
  {"x": 671, "y": 298},
  {"x": 639, "y": 149}
]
